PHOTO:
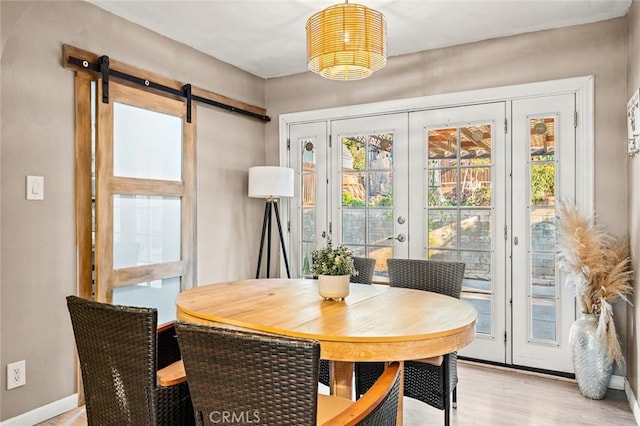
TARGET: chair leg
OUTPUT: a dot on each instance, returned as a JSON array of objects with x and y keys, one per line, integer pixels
[
  {"x": 445, "y": 389},
  {"x": 454, "y": 403}
]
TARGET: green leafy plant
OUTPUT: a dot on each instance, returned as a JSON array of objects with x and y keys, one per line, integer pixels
[
  {"x": 348, "y": 200},
  {"x": 543, "y": 182},
  {"x": 357, "y": 152},
  {"x": 331, "y": 260}
]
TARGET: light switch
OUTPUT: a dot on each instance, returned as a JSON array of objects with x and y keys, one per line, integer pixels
[{"x": 35, "y": 187}]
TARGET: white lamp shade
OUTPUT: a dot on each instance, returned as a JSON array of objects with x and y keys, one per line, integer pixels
[{"x": 270, "y": 182}]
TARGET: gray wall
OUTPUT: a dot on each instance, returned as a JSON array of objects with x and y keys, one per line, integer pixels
[
  {"x": 594, "y": 49},
  {"x": 633, "y": 173},
  {"x": 38, "y": 266}
]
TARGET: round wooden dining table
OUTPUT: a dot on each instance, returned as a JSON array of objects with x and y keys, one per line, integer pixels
[{"x": 373, "y": 323}]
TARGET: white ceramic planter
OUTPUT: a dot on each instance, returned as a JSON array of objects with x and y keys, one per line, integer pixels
[{"x": 333, "y": 287}]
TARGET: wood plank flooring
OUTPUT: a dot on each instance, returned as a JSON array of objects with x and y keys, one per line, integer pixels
[{"x": 489, "y": 396}]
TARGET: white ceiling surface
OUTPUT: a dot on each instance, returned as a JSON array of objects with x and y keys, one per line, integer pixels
[{"x": 267, "y": 37}]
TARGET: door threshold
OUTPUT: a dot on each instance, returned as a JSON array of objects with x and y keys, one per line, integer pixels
[{"x": 540, "y": 372}]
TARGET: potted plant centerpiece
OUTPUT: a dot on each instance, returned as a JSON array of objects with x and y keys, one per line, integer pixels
[
  {"x": 333, "y": 266},
  {"x": 598, "y": 269}
]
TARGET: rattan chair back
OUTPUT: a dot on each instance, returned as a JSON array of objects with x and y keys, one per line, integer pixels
[
  {"x": 378, "y": 407},
  {"x": 386, "y": 412},
  {"x": 250, "y": 377},
  {"x": 117, "y": 350},
  {"x": 429, "y": 275},
  {"x": 365, "y": 267}
]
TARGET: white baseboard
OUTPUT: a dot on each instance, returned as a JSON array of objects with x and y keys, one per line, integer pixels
[
  {"x": 43, "y": 413},
  {"x": 633, "y": 402},
  {"x": 617, "y": 382}
]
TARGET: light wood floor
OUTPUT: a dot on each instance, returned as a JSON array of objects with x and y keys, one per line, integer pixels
[{"x": 489, "y": 396}]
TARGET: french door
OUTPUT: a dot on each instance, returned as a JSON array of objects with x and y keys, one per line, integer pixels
[
  {"x": 474, "y": 183},
  {"x": 544, "y": 172},
  {"x": 350, "y": 189},
  {"x": 458, "y": 208}
]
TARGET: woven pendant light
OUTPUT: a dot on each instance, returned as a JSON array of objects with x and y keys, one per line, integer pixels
[{"x": 346, "y": 42}]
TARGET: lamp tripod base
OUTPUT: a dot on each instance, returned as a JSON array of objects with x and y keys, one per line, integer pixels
[{"x": 271, "y": 205}]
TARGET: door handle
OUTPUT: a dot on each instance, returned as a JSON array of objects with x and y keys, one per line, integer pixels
[{"x": 401, "y": 237}]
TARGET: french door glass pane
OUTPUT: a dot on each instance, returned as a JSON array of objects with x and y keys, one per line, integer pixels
[
  {"x": 475, "y": 186},
  {"x": 443, "y": 147},
  {"x": 380, "y": 189},
  {"x": 542, "y": 265},
  {"x": 380, "y": 229},
  {"x": 543, "y": 324},
  {"x": 543, "y": 138},
  {"x": 458, "y": 168},
  {"x": 353, "y": 222},
  {"x": 483, "y": 306},
  {"x": 477, "y": 268},
  {"x": 475, "y": 233},
  {"x": 308, "y": 224},
  {"x": 309, "y": 176},
  {"x": 543, "y": 182},
  {"x": 543, "y": 274},
  {"x": 443, "y": 229},
  {"x": 442, "y": 186},
  {"x": 146, "y": 230},
  {"x": 146, "y": 144},
  {"x": 367, "y": 196},
  {"x": 159, "y": 294},
  {"x": 353, "y": 189}
]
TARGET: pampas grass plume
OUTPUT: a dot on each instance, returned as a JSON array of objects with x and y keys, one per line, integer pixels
[{"x": 598, "y": 268}]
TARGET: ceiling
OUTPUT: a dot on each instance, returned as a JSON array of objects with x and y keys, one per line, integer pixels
[{"x": 267, "y": 37}]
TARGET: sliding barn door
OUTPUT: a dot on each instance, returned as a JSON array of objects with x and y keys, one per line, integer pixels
[{"x": 145, "y": 200}]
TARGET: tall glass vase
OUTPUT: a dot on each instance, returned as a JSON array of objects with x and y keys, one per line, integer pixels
[{"x": 590, "y": 364}]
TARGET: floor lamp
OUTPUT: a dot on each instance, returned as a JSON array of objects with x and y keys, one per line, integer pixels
[{"x": 271, "y": 183}]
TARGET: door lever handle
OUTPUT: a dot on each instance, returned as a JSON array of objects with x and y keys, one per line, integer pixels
[{"x": 401, "y": 237}]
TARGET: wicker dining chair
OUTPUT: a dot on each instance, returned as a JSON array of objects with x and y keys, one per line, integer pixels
[
  {"x": 365, "y": 267},
  {"x": 257, "y": 378},
  {"x": 120, "y": 351},
  {"x": 431, "y": 380},
  {"x": 378, "y": 407}
]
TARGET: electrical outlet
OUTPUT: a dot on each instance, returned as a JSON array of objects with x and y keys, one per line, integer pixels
[{"x": 16, "y": 374}]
